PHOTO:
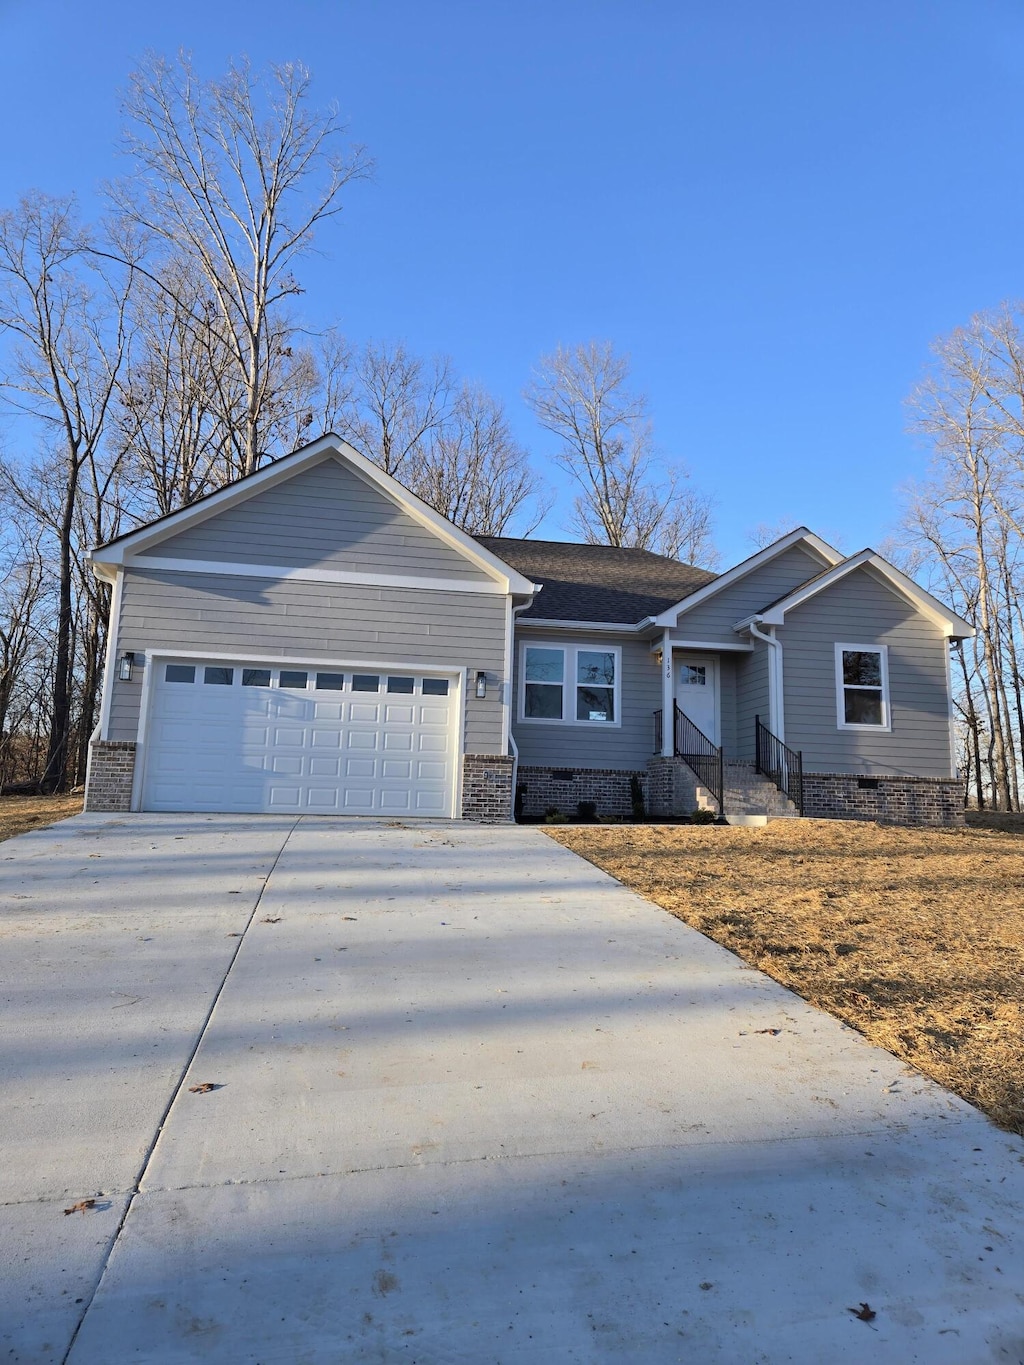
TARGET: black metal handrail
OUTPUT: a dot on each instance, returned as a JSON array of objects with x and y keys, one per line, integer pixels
[
  {"x": 699, "y": 754},
  {"x": 779, "y": 763},
  {"x": 659, "y": 731}
]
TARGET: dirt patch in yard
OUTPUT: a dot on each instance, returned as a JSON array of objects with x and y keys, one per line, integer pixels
[
  {"x": 913, "y": 936},
  {"x": 18, "y": 814}
]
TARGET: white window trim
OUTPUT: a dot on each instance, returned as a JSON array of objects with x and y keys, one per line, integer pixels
[
  {"x": 569, "y": 684},
  {"x": 841, "y": 722}
]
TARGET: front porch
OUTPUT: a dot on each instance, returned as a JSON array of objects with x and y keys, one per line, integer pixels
[{"x": 698, "y": 775}]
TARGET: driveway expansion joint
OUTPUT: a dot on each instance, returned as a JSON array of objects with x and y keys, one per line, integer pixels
[{"x": 147, "y": 1158}]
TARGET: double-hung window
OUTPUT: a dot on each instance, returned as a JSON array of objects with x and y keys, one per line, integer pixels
[
  {"x": 570, "y": 684},
  {"x": 862, "y": 687}
]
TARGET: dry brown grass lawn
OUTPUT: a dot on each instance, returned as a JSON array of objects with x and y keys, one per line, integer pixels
[
  {"x": 913, "y": 936},
  {"x": 21, "y": 813}
]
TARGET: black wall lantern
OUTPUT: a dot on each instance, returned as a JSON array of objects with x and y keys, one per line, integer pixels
[{"x": 124, "y": 672}]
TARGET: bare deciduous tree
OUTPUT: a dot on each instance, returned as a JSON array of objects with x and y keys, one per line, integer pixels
[
  {"x": 475, "y": 473},
  {"x": 581, "y": 395},
  {"x": 235, "y": 176},
  {"x": 394, "y": 404},
  {"x": 67, "y": 325}
]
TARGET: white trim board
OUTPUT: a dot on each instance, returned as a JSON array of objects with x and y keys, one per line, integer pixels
[{"x": 279, "y": 571}]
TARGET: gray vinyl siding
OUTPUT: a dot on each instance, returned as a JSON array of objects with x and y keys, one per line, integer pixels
[
  {"x": 327, "y": 518},
  {"x": 861, "y": 610},
  {"x": 628, "y": 745},
  {"x": 228, "y": 614},
  {"x": 751, "y": 699},
  {"x": 714, "y": 619},
  {"x": 727, "y": 703}
]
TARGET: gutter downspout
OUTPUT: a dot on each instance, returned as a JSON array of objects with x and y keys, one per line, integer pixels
[
  {"x": 776, "y": 702},
  {"x": 511, "y": 718}
]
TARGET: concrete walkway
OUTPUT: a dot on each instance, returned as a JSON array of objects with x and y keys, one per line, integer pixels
[{"x": 475, "y": 1103}]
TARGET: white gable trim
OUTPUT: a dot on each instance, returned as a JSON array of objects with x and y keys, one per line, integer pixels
[
  {"x": 326, "y": 447},
  {"x": 801, "y": 536},
  {"x": 951, "y": 625},
  {"x": 373, "y": 580}
]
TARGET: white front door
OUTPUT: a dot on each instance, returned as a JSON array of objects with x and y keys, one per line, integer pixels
[{"x": 697, "y": 691}]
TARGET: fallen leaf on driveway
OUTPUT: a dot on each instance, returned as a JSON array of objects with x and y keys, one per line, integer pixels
[
  {"x": 351, "y": 917},
  {"x": 81, "y": 1207},
  {"x": 271, "y": 919},
  {"x": 773, "y": 1031},
  {"x": 865, "y": 1312},
  {"x": 204, "y": 1087}
]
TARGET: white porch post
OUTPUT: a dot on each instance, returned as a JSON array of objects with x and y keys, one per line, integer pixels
[{"x": 668, "y": 716}]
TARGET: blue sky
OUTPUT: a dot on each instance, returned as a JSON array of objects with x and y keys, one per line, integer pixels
[{"x": 773, "y": 208}]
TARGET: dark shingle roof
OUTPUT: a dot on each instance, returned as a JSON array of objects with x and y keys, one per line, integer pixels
[{"x": 597, "y": 582}]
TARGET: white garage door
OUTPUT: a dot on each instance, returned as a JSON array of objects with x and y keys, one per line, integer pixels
[{"x": 226, "y": 737}]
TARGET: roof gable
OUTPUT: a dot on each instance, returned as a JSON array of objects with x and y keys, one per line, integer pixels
[
  {"x": 819, "y": 549},
  {"x": 365, "y": 510},
  {"x": 953, "y": 626}
]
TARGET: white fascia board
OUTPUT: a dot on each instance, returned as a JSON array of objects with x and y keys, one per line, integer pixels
[
  {"x": 656, "y": 644},
  {"x": 281, "y": 470},
  {"x": 949, "y": 623},
  {"x": 801, "y": 536},
  {"x": 292, "y": 574},
  {"x": 594, "y": 627}
]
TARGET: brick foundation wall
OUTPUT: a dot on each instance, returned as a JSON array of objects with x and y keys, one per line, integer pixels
[
  {"x": 487, "y": 787},
  {"x": 895, "y": 800},
  {"x": 111, "y": 771},
  {"x": 671, "y": 787},
  {"x": 564, "y": 788}
]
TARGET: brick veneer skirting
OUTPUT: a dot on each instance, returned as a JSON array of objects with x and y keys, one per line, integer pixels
[
  {"x": 671, "y": 787},
  {"x": 111, "y": 770},
  {"x": 487, "y": 787},
  {"x": 894, "y": 801},
  {"x": 540, "y": 789}
]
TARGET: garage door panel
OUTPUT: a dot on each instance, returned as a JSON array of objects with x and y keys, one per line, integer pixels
[
  {"x": 256, "y": 747},
  {"x": 324, "y": 767}
]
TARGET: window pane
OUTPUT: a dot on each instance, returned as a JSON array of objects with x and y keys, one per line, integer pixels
[
  {"x": 406, "y": 685},
  {"x": 595, "y": 703},
  {"x": 293, "y": 678},
  {"x": 543, "y": 701},
  {"x": 255, "y": 677},
  {"x": 694, "y": 675},
  {"x": 545, "y": 665},
  {"x": 219, "y": 677},
  {"x": 365, "y": 682},
  {"x": 862, "y": 668},
  {"x": 180, "y": 673},
  {"x": 435, "y": 687},
  {"x": 330, "y": 682},
  {"x": 863, "y": 707},
  {"x": 595, "y": 666}
]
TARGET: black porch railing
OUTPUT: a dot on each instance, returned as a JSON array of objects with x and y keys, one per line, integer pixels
[
  {"x": 779, "y": 763},
  {"x": 695, "y": 749},
  {"x": 699, "y": 754}
]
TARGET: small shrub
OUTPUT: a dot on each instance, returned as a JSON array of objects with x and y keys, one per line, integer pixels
[
  {"x": 587, "y": 812},
  {"x": 555, "y": 817},
  {"x": 703, "y": 817},
  {"x": 636, "y": 797}
]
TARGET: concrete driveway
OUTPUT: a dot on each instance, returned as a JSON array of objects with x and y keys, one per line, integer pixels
[{"x": 475, "y": 1102}]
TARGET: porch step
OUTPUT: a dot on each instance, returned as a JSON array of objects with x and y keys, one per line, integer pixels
[{"x": 748, "y": 793}]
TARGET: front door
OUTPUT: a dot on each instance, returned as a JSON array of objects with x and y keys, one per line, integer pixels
[{"x": 697, "y": 691}]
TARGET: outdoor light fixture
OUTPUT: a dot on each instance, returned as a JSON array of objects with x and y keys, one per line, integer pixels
[
  {"x": 481, "y": 685},
  {"x": 127, "y": 664}
]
